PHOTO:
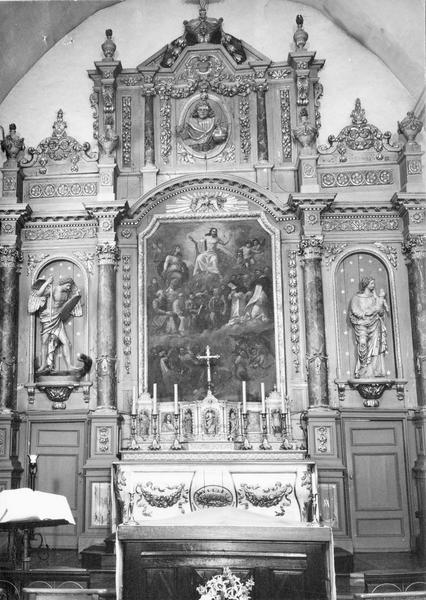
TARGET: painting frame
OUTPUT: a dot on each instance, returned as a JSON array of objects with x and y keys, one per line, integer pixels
[{"x": 257, "y": 219}]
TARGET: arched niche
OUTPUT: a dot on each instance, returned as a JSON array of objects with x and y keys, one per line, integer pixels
[
  {"x": 349, "y": 273},
  {"x": 69, "y": 308}
]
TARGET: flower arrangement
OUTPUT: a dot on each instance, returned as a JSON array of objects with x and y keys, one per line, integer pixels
[{"x": 226, "y": 586}]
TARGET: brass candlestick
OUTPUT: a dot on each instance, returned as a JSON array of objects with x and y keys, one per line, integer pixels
[
  {"x": 133, "y": 443},
  {"x": 265, "y": 445},
  {"x": 176, "y": 445},
  {"x": 155, "y": 444},
  {"x": 245, "y": 444}
]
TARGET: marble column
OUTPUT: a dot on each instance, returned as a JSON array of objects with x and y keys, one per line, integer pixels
[
  {"x": 149, "y": 128},
  {"x": 308, "y": 208},
  {"x": 316, "y": 354},
  {"x": 262, "y": 129},
  {"x": 12, "y": 217},
  {"x": 106, "y": 326},
  {"x": 107, "y": 218},
  {"x": 10, "y": 257}
]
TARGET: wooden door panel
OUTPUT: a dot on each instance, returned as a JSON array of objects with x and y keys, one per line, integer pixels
[
  {"x": 377, "y": 485},
  {"x": 60, "y": 450}
]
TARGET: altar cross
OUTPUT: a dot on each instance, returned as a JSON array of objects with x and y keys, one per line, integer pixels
[{"x": 208, "y": 357}]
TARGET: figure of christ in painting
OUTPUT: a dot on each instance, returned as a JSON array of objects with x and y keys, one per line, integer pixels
[
  {"x": 207, "y": 261},
  {"x": 366, "y": 312},
  {"x": 54, "y": 304}
]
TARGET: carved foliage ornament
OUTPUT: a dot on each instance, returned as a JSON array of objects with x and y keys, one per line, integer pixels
[
  {"x": 58, "y": 147},
  {"x": 359, "y": 136},
  {"x": 127, "y": 314},
  {"x": 10, "y": 256}
]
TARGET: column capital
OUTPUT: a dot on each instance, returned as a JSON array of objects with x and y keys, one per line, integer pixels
[
  {"x": 108, "y": 253},
  {"x": 414, "y": 246},
  {"x": 311, "y": 246},
  {"x": 10, "y": 256}
]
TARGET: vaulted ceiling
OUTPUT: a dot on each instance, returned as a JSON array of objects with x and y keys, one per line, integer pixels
[{"x": 28, "y": 29}]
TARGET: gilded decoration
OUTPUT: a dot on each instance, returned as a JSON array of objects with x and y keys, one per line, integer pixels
[
  {"x": 359, "y": 136},
  {"x": 65, "y": 232},
  {"x": 33, "y": 260},
  {"x": 360, "y": 223},
  {"x": 285, "y": 123},
  {"x": 244, "y": 119},
  {"x": 103, "y": 440},
  {"x": 10, "y": 256},
  {"x": 127, "y": 313},
  {"x": 59, "y": 147},
  {"x": 62, "y": 190},
  {"x": 293, "y": 293},
  {"x": 126, "y": 130}
]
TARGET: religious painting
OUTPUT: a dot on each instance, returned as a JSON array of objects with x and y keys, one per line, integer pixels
[
  {"x": 209, "y": 283},
  {"x": 203, "y": 128}
]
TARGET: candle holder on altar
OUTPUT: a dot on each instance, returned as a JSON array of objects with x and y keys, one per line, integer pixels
[
  {"x": 245, "y": 444},
  {"x": 155, "y": 444},
  {"x": 133, "y": 442},
  {"x": 176, "y": 445},
  {"x": 265, "y": 445}
]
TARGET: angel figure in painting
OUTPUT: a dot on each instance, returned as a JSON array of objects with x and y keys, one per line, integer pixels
[
  {"x": 55, "y": 304},
  {"x": 366, "y": 313}
]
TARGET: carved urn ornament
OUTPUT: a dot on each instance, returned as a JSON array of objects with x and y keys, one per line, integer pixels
[
  {"x": 410, "y": 127},
  {"x": 108, "y": 47},
  {"x": 300, "y": 36},
  {"x": 12, "y": 144},
  {"x": 305, "y": 133},
  {"x": 108, "y": 141}
]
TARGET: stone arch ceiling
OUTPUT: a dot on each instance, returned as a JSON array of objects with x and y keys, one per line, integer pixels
[{"x": 392, "y": 29}]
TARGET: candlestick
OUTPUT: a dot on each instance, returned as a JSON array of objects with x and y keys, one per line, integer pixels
[
  {"x": 245, "y": 444},
  {"x": 175, "y": 387},
  {"x": 244, "y": 398},
  {"x": 155, "y": 444},
  {"x": 154, "y": 398},
  {"x": 134, "y": 401},
  {"x": 262, "y": 395},
  {"x": 176, "y": 445},
  {"x": 265, "y": 445}
]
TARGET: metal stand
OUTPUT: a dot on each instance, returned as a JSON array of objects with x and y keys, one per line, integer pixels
[
  {"x": 285, "y": 443},
  {"x": 245, "y": 444},
  {"x": 265, "y": 445},
  {"x": 176, "y": 445},
  {"x": 155, "y": 444}
]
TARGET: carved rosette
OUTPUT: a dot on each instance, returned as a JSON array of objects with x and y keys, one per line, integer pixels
[{"x": 108, "y": 253}]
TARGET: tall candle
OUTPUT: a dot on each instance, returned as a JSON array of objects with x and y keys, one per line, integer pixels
[
  {"x": 134, "y": 401},
  {"x": 262, "y": 395},
  {"x": 154, "y": 398},
  {"x": 176, "y": 398},
  {"x": 244, "y": 397}
]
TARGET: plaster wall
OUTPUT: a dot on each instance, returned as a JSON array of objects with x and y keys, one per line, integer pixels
[{"x": 141, "y": 27}]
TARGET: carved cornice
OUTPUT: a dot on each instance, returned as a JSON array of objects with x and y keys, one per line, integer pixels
[
  {"x": 13, "y": 218},
  {"x": 107, "y": 216}
]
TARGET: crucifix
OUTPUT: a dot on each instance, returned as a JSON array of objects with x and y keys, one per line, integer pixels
[{"x": 208, "y": 357}]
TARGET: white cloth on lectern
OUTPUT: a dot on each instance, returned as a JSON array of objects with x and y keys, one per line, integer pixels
[{"x": 24, "y": 504}]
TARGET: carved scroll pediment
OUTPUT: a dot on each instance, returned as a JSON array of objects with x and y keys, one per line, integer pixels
[
  {"x": 59, "y": 149},
  {"x": 359, "y": 141}
]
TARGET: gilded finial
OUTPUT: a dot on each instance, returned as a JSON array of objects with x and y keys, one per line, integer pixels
[{"x": 300, "y": 36}]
